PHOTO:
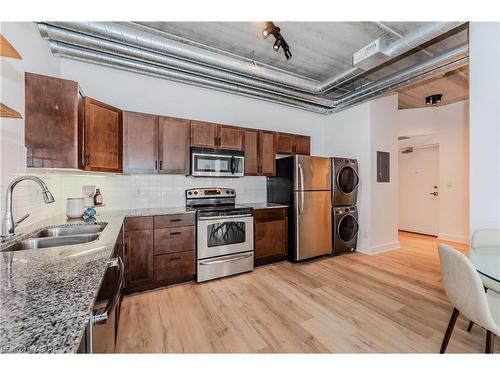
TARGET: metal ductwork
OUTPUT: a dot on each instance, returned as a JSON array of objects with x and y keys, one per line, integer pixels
[{"x": 127, "y": 48}]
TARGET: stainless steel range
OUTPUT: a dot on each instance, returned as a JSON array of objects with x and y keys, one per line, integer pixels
[{"x": 224, "y": 233}]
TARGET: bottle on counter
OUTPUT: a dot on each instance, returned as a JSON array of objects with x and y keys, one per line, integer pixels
[{"x": 98, "y": 200}]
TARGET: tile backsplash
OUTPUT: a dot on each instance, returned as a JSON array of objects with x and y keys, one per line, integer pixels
[{"x": 124, "y": 191}]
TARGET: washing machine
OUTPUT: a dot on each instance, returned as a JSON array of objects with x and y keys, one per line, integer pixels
[
  {"x": 345, "y": 181},
  {"x": 345, "y": 229}
]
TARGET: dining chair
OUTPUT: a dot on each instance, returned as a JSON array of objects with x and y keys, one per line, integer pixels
[
  {"x": 464, "y": 288},
  {"x": 487, "y": 238}
]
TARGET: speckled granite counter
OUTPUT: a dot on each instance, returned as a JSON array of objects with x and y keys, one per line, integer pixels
[
  {"x": 47, "y": 295},
  {"x": 264, "y": 205}
]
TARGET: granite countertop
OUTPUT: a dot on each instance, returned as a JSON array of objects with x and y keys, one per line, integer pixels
[
  {"x": 47, "y": 294},
  {"x": 264, "y": 205}
]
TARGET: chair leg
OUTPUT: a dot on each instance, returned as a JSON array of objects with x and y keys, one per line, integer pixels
[
  {"x": 490, "y": 343},
  {"x": 449, "y": 330},
  {"x": 469, "y": 327}
]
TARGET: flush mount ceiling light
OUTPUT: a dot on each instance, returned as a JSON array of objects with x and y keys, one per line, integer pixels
[
  {"x": 272, "y": 29},
  {"x": 433, "y": 99}
]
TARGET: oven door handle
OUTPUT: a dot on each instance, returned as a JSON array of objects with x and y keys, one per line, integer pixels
[
  {"x": 223, "y": 217},
  {"x": 225, "y": 260},
  {"x": 101, "y": 316},
  {"x": 233, "y": 165}
]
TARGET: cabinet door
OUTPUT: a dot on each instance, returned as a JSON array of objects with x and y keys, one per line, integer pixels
[
  {"x": 51, "y": 108},
  {"x": 203, "y": 134},
  {"x": 270, "y": 240},
  {"x": 140, "y": 142},
  {"x": 174, "y": 145},
  {"x": 139, "y": 274},
  {"x": 251, "y": 137},
  {"x": 284, "y": 143},
  {"x": 229, "y": 137},
  {"x": 267, "y": 154},
  {"x": 302, "y": 144},
  {"x": 102, "y": 137}
]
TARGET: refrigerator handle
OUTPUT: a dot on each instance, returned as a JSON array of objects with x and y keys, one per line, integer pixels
[{"x": 301, "y": 174}]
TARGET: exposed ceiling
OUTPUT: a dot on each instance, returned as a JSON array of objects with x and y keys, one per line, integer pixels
[
  {"x": 234, "y": 57},
  {"x": 454, "y": 86}
]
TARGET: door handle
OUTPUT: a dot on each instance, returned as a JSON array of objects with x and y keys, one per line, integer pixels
[{"x": 435, "y": 193}]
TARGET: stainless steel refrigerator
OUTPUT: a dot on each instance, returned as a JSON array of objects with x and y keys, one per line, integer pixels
[{"x": 304, "y": 183}]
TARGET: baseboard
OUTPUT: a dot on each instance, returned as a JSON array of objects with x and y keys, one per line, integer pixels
[
  {"x": 453, "y": 238},
  {"x": 381, "y": 248}
]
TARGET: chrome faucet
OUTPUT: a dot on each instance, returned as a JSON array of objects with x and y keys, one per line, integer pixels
[{"x": 8, "y": 223}]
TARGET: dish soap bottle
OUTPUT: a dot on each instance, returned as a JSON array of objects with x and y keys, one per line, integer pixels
[{"x": 98, "y": 197}]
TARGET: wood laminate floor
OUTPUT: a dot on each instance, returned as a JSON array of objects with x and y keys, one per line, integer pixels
[{"x": 392, "y": 302}]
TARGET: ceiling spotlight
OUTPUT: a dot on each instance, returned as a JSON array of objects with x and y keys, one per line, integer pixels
[
  {"x": 272, "y": 29},
  {"x": 433, "y": 99}
]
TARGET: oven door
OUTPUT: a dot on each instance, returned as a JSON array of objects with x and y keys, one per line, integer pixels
[
  {"x": 218, "y": 165},
  {"x": 224, "y": 235}
]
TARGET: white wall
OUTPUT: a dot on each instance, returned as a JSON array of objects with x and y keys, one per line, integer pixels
[
  {"x": 447, "y": 126},
  {"x": 484, "y": 129},
  {"x": 384, "y": 196}
]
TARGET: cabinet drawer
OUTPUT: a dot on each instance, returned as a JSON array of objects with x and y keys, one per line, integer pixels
[
  {"x": 177, "y": 220},
  {"x": 270, "y": 214},
  {"x": 171, "y": 268},
  {"x": 138, "y": 223},
  {"x": 174, "y": 240}
]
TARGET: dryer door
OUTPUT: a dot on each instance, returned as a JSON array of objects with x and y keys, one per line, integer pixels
[
  {"x": 347, "y": 228},
  {"x": 347, "y": 179}
]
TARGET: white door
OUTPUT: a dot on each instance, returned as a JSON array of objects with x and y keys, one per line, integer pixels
[{"x": 419, "y": 190}]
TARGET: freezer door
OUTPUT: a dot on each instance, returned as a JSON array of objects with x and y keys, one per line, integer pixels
[
  {"x": 312, "y": 173},
  {"x": 313, "y": 224}
]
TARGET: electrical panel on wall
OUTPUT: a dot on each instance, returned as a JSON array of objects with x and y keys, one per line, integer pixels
[{"x": 383, "y": 166}]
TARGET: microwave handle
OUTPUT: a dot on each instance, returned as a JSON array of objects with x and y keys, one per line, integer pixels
[
  {"x": 101, "y": 316},
  {"x": 233, "y": 165}
]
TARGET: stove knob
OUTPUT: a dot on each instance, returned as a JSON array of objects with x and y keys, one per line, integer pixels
[
  {"x": 232, "y": 192},
  {"x": 228, "y": 192},
  {"x": 190, "y": 193},
  {"x": 195, "y": 192}
]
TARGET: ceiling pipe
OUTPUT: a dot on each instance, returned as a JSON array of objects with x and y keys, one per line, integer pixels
[
  {"x": 130, "y": 34},
  {"x": 61, "y": 49},
  {"x": 117, "y": 49}
]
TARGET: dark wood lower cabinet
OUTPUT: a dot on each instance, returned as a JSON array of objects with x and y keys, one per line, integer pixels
[
  {"x": 270, "y": 235},
  {"x": 158, "y": 251}
]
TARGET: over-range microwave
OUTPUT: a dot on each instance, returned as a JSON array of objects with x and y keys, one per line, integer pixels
[{"x": 208, "y": 162}]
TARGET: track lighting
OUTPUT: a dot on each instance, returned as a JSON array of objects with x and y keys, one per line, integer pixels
[
  {"x": 271, "y": 28},
  {"x": 433, "y": 99}
]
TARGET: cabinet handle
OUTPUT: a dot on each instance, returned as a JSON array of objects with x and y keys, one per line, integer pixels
[
  {"x": 87, "y": 159},
  {"x": 125, "y": 249},
  {"x": 172, "y": 220},
  {"x": 156, "y": 165},
  {"x": 175, "y": 258},
  {"x": 175, "y": 233},
  {"x": 161, "y": 164}
]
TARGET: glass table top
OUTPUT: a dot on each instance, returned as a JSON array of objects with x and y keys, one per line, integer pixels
[{"x": 486, "y": 260}]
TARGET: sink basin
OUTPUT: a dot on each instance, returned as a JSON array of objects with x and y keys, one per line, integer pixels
[
  {"x": 70, "y": 230},
  {"x": 44, "y": 242}
]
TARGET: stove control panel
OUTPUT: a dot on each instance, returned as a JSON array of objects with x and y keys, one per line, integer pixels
[{"x": 210, "y": 193}]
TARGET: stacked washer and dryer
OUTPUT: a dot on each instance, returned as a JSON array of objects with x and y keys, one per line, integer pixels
[{"x": 345, "y": 182}]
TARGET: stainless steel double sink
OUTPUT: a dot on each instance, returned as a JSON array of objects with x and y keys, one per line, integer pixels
[{"x": 63, "y": 235}]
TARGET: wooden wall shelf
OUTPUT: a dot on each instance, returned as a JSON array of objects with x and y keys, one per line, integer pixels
[
  {"x": 7, "y": 50},
  {"x": 6, "y": 111}
]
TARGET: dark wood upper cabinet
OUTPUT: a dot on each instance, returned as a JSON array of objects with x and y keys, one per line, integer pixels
[
  {"x": 229, "y": 137},
  {"x": 284, "y": 143},
  {"x": 301, "y": 144},
  {"x": 101, "y": 137},
  {"x": 173, "y": 145},
  {"x": 251, "y": 137},
  {"x": 51, "y": 121},
  {"x": 140, "y": 143},
  {"x": 203, "y": 134},
  {"x": 267, "y": 153}
]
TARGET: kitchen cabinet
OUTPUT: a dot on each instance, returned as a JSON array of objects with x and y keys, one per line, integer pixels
[
  {"x": 259, "y": 153},
  {"x": 140, "y": 142},
  {"x": 101, "y": 137},
  {"x": 51, "y": 122},
  {"x": 270, "y": 235},
  {"x": 174, "y": 268},
  {"x": 206, "y": 134},
  {"x": 173, "y": 145},
  {"x": 293, "y": 144},
  {"x": 138, "y": 253}
]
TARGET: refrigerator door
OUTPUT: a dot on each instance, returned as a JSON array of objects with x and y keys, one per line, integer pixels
[
  {"x": 313, "y": 224},
  {"x": 312, "y": 173}
]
